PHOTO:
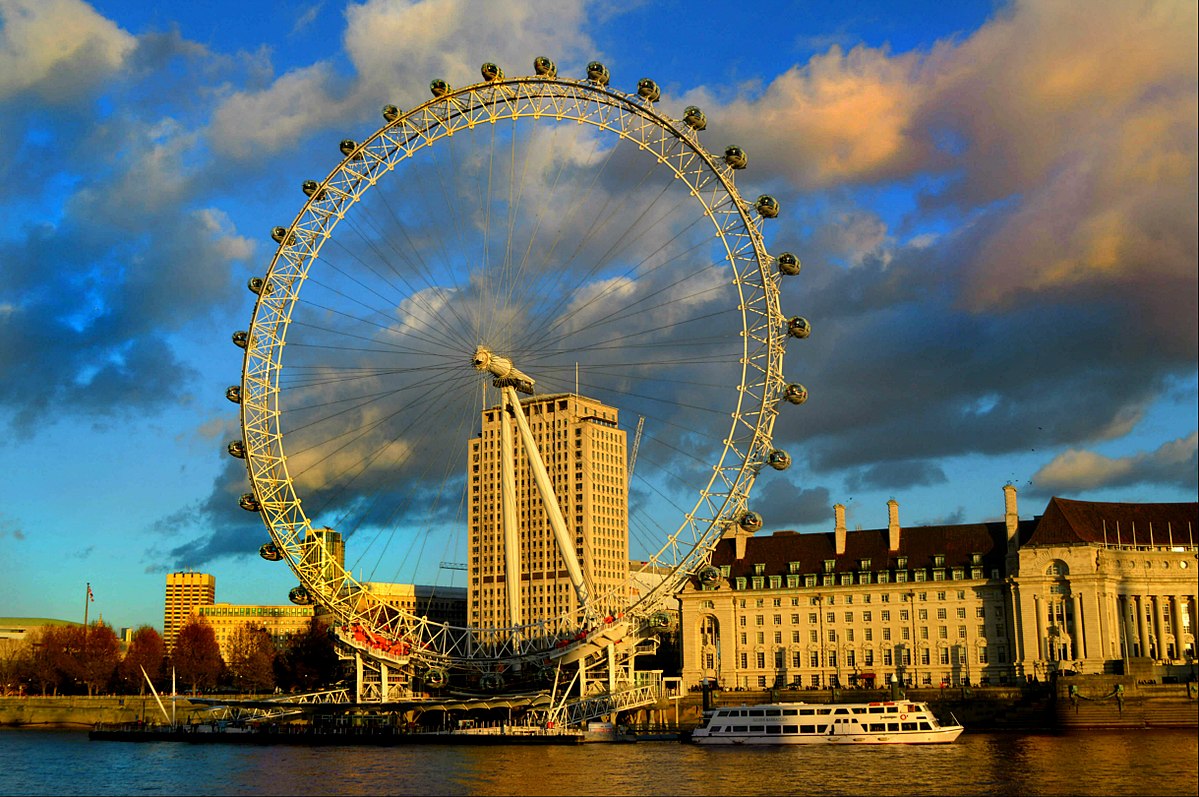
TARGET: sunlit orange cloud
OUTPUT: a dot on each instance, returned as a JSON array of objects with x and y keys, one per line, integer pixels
[
  {"x": 842, "y": 117},
  {"x": 1076, "y": 469},
  {"x": 1078, "y": 118}
]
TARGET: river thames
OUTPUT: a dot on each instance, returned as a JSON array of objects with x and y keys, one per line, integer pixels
[{"x": 1157, "y": 762}]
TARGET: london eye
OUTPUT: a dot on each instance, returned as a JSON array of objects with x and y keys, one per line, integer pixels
[{"x": 453, "y": 343}]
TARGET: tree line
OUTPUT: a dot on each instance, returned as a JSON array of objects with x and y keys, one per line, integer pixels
[{"x": 75, "y": 659}]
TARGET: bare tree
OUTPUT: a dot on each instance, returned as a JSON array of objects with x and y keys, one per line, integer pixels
[
  {"x": 14, "y": 665},
  {"x": 48, "y": 657},
  {"x": 309, "y": 661},
  {"x": 252, "y": 654}
]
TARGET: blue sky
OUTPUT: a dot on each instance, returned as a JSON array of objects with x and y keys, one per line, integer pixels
[{"x": 995, "y": 205}]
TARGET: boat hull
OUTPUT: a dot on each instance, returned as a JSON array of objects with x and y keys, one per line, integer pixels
[
  {"x": 880, "y": 722},
  {"x": 940, "y": 736}
]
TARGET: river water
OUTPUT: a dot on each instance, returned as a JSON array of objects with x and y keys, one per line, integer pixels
[{"x": 1143, "y": 762}]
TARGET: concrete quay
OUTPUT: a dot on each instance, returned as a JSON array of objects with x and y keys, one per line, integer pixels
[
  {"x": 1035, "y": 707},
  {"x": 1078, "y": 702},
  {"x": 78, "y": 711}
]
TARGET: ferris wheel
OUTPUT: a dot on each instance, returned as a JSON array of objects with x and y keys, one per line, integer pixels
[{"x": 518, "y": 246}]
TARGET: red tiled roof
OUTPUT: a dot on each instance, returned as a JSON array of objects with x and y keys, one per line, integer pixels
[
  {"x": 918, "y": 544},
  {"x": 1068, "y": 522}
]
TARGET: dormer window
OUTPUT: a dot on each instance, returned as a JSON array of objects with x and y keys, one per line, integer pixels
[
  {"x": 792, "y": 567},
  {"x": 976, "y": 559},
  {"x": 829, "y": 565},
  {"x": 901, "y": 562},
  {"x": 759, "y": 569},
  {"x": 938, "y": 560}
]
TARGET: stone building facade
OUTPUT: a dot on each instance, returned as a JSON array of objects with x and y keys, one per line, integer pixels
[
  {"x": 1099, "y": 584},
  {"x": 955, "y": 604},
  {"x": 280, "y": 622}
]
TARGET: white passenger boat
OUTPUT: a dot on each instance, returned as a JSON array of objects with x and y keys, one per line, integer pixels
[{"x": 890, "y": 722}]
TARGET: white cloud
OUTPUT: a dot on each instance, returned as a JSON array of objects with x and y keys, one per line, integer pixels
[
  {"x": 1077, "y": 470},
  {"x": 396, "y": 47},
  {"x": 57, "y": 48}
]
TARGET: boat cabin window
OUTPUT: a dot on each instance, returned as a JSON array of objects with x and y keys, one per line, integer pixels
[
  {"x": 807, "y": 711},
  {"x": 773, "y": 712},
  {"x": 877, "y": 709},
  {"x": 924, "y": 726},
  {"x": 790, "y": 729},
  {"x": 754, "y": 712},
  {"x": 908, "y": 726},
  {"x": 859, "y": 711},
  {"x": 739, "y": 729},
  {"x": 774, "y": 729},
  {"x": 717, "y": 728},
  {"x": 893, "y": 726},
  {"x": 789, "y": 712},
  {"x": 878, "y": 727}
]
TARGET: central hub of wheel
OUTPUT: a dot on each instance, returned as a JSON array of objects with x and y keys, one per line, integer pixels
[{"x": 506, "y": 374}]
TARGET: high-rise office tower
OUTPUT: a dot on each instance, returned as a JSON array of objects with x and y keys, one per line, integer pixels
[
  {"x": 184, "y": 591},
  {"x": 323, "y": 549},
  {"x": 585, "y": 455}
]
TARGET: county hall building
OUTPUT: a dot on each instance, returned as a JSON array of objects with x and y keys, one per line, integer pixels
[{"x": 1086, "y": 586}]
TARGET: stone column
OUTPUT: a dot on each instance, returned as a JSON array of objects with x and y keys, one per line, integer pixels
[
  {"x": 1159, "y": 625},
  {"x": 1181, "y": 603},
  {"x": 1015, "y": 625},
  {"x": 1102, "y": 623},
  {"x": 1078, "y": 635},
  {"x": 1141, "y": 626},
  {"x": 1038, "y": 606},
  {"x": 1128, "y": 624}
]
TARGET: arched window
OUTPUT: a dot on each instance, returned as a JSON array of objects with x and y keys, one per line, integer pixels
[
  {"x": 1057, "y": 568},
  {"x": 709, "y": 630}
]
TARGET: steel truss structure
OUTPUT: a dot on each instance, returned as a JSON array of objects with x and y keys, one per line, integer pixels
[{"x": 413, "y": 644}]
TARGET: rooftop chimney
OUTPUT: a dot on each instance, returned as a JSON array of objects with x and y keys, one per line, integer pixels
[
  {"x": 893, "y": 524},
  {"x": 839, "y": 529},
  {"x": 1011, "y": 517},
  {"x": 738, "y": 535}
]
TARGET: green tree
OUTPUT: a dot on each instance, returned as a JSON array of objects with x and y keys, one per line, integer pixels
[
  {"x": 252, "y": 654},
  {"x": 309, "y": 661},
  {"x": 197, "y": 657},
  {"x": 145, "y": 653}
]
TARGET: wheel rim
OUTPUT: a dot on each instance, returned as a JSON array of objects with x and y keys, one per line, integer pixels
[{"x": 585, "y": 293}]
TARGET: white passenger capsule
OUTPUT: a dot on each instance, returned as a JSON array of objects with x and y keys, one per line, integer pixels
[
  {"x": 788, "y": 264},
  {"x": 597, "y": 73}
]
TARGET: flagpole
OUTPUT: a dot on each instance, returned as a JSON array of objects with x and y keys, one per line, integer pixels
[{"x": 86, "y": 600}]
